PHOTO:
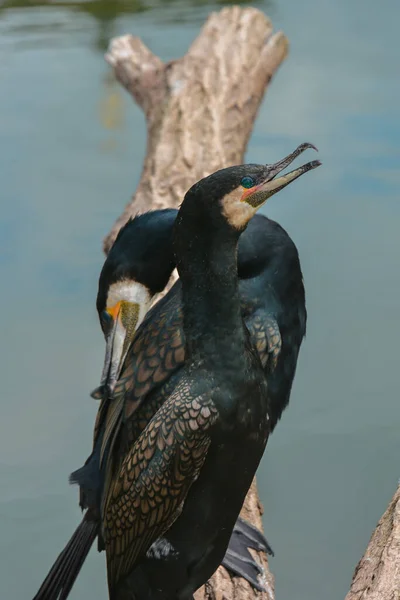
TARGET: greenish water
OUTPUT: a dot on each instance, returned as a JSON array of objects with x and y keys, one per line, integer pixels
[{"x": 72, "y": 144}]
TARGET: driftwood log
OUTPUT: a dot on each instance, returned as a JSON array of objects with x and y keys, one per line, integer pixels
[
  {"x": 377, "y": 575},
  {"x": 200, "y": 110}
]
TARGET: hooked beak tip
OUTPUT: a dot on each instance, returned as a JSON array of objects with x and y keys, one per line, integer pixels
[
  {"x": 307, "y": 146},
  {"x": 315, "y": 163},
  {"x": 103, "y": 392},
  {"x": 98, "y": 393}
]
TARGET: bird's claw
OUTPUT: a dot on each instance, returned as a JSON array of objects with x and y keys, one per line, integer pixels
[
  {"x": 238, "y": 559},
  {"x": 251, "y": 537}
]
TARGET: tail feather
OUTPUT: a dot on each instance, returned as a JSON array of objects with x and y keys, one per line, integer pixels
[
  {"x": 66, "y": 568},
  {"x": 76, "y": 567}
]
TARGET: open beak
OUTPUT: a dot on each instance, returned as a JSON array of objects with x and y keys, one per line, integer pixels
[
  {"x": 258, "y": 194},
  {"x": 126, "y": 318}
]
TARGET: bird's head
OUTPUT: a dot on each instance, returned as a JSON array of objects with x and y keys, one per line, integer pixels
[
  {"x": 234, "y": 194},
  {"x": 137, "y": 267}
]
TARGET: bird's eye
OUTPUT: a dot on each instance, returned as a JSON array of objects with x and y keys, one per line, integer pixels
[
  {"x": 247, "y": 182},
  {"x": 106, "y": 319}
]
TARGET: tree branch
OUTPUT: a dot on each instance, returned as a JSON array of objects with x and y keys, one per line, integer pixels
[
  {"x": 199, "y": 109},
  {"x": 377, "y": 575}
]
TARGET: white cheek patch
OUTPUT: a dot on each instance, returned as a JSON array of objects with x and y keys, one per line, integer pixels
[
  {"x": 130, "y": 291},
  {"x": 235, "y": 211}
]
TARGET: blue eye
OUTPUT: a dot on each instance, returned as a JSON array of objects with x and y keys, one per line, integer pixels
[
  {"x": 106, "y": 321},
  {"x": 106, "y": 317},
  {"x": 247, "y": 182}
]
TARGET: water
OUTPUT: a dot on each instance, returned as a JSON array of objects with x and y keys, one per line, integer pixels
[{"x": 71, "y": 154}]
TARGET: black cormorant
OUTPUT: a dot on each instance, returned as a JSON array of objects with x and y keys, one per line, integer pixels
[
  {"x": 163, "y": 365},
  {"x": 272, "y": 300}
]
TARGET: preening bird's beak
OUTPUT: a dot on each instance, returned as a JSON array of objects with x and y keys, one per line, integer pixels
[
  {"x": 126, "y": 317},
  {"x": 257, "y": 195}
]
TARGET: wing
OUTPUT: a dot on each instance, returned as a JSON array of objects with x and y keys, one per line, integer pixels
[
  {"x": 133, "y": 427},
  {"x": 157, "y": 352},
  {"x": 265, "y": 337},
  {"x": 148, "y": 492}
]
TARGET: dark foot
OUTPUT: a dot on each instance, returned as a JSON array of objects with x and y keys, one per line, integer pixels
[
  {"x": 238, "y": 559},
  {"x": 250, "y": 536}
]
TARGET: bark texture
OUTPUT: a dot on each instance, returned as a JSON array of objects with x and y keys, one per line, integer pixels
[
  {"x": 200, "y": 111},
  {"x": 377, "y": 575}
]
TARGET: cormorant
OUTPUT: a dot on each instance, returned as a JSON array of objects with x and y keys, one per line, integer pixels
[
  {"x": 174, "y": 499},
  {"x": 272, "y": 300},
  {"x": 252, "y": 266}
]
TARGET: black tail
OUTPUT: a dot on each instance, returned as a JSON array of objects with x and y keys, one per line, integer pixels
[{"x": 65, "y": 570}]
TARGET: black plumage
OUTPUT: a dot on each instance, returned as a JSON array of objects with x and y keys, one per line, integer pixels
[
  {"x": 272, "y": 300},
  {"x": 141, "y": 252},
  {"x": 173, "y": 502},
  {"x": 274, "y": 311}
]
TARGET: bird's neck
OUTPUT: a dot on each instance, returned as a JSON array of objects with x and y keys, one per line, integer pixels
[{"x": 207, "y": 266}]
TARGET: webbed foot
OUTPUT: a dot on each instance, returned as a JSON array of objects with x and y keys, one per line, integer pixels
[{"x": 238, "y": 559}]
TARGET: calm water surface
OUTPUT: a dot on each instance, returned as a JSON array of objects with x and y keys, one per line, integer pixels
[{"x": 72, "y": 144}]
